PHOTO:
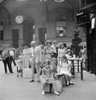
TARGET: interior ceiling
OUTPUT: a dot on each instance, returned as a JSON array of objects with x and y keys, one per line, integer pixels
[{"x": 12, "y": 5}]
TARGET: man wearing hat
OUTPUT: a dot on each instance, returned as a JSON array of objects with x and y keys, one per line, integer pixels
[{"x": 34, "y": 60}]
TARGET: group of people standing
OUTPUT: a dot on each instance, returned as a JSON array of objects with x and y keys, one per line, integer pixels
[
  {"x": 50, "y": 61},
  {"x": 8, "y": 58}
]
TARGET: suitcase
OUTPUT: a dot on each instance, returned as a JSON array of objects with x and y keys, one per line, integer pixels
[
  {"x": 49, "y": 88},
  {"x": 27, "y": 73}
]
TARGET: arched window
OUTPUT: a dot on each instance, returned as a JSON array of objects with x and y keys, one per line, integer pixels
[{"x": 61, "y": 26}]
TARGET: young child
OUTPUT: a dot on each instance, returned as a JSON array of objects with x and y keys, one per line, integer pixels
[
  {"x": 19, "y": 67},
  {"x": 65, "y": 70},
  {"x": 47, "y": 77}
]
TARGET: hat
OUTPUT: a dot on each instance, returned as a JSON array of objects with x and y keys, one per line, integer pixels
[
  {"x": 61, "y": 43},
  {"x": 48, "y": 41},
  {"x": 68, "y": 51},
  {"x": 20, "y": 56},
  {"x": 33, "y": 42},
  {"x": 54, "y": 41},
  {"x": 25, "y": 44}
]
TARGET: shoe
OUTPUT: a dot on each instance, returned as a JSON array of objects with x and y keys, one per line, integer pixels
[
  {"x": 43, "y": 92},
  {"x": 55, "y": 92},
  {"x": 11, "y": 72},
  {"x": 21, "y": 75},
  {"x": 17, "y": 75},
  {"x": 71, "y": 83},
  {"x": 38, "y": 81},
  {"x": 67, "y": 84},
  {"x": 31, "y": 81}
]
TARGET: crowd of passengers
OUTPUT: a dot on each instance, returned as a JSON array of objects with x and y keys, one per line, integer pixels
[{"x": 51, "y": 62}]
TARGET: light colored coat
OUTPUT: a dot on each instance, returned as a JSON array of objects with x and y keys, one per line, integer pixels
[{"x": 35, "y": 54}]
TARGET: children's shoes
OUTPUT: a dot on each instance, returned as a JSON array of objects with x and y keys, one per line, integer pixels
[
  {"x": 55, "y": 92},
  {"x": 43, "y": 92}
]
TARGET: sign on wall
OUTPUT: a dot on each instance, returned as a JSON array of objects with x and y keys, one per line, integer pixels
[
  {"x": 5, "y": 45},
  {"x": 61, "y": 29}
]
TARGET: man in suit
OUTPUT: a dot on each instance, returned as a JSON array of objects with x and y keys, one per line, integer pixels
[
  {"x": 35, "y": 60},
  {"x": 6, "y": 60}
]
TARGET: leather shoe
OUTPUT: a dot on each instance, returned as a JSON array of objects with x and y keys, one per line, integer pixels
[{"x": 31, "y": 81}]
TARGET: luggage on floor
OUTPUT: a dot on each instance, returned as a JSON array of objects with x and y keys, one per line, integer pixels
[
  {"x": 27, "y": 73},
  {"x": 49, "y": 88},
  {"x": 58, "y": 86}
]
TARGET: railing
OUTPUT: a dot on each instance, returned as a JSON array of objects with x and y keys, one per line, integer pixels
[{"x": 79, "y": 64}]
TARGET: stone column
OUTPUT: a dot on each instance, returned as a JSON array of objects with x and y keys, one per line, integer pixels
[{"x": 20, "y": 35}]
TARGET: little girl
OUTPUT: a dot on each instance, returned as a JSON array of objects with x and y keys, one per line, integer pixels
[
  {"x": 19, "y": 67},
  {"x": 47, "y": 77},
  {"x": 65, "y": 70}
]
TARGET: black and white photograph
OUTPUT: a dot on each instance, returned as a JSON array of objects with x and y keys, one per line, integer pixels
[{"x": 47, "y": 49}]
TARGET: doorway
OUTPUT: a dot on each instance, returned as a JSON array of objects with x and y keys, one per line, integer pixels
[
  {"x": 42, "y": 32},
  {"x": 15, "y": 38}
]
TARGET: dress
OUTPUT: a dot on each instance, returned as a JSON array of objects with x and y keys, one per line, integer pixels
[
  {"x": 65, "y": 69},
  {"x": 19, "y": 65},
  {"x": 48, "y": 73},
  {"x": 48, "y": 52},
  {"x": 61, "y": 52},
  {"x": 68, "y": 57},
  {"x": 25, "y": 58}
]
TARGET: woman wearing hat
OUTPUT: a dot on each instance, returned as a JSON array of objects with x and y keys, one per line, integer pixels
[
  {"x": 48, "y": 49},
  {"x": 61, "y": 52},
  {"x": 25, "y": 56},
  {"x": 55, "y": 52},
  {"x": 69, "y": 55}
]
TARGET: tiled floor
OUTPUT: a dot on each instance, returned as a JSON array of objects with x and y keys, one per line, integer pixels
[{"x": 13, "y": 88}]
